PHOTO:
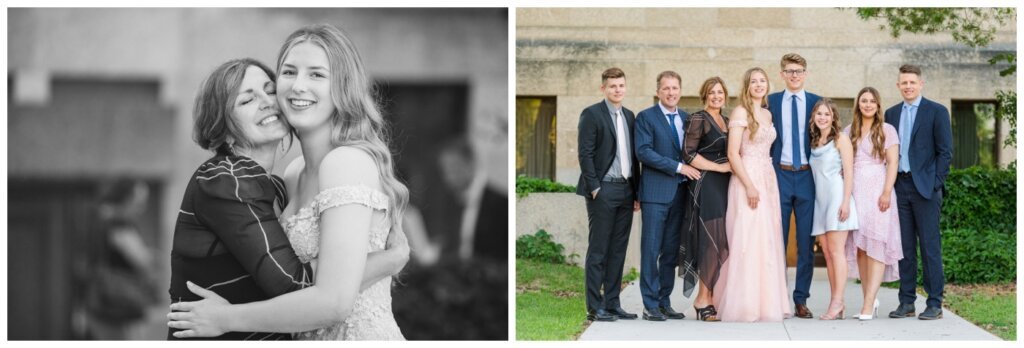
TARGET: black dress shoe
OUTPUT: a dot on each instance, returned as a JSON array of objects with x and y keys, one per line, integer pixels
[
  {"x": 931, "y": 313},
  {"x": 652, "y": 314},
  {"x": 905, "y": 310},
  {"x": 622, "y": 314},
  {"x": 601, "y": 315},
  {"x": 670, "y": 313}
]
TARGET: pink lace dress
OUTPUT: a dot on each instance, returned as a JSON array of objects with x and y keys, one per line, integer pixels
[
  {"x": 752, "y": 284},
  {"x": 371, "y": 318},
  {"x": 879, "y": 233}
]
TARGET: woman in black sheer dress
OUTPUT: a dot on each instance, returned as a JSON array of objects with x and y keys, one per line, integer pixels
[
  {"x": 704, "y": 245},
  {"x": 227, "y": 236}
]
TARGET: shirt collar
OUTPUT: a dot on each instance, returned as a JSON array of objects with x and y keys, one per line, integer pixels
[
  {"x": 665, "y": 111},
  {"x": 799, "y": 95},
  {"x": 916, "y": 103},
  {"x": 611, "y": 108}
]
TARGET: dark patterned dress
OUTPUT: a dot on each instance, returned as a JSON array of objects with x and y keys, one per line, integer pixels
[
  {"x": 704, "y": 246},
  {"x": 227, "y": 239}
]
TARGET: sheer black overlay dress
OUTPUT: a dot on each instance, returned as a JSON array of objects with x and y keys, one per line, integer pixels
[{"x": 704, "y": 246}]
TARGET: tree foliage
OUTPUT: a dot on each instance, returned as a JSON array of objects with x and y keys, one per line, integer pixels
[{"x": 974, "y": 27}]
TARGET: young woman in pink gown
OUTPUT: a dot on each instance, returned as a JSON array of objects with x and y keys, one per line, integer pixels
[
  {"x": 752, "y": 284},
  {"x": 875, "y": 249}
]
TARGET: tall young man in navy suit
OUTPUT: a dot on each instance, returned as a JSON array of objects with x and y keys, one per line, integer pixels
[
  {"x": 608, "y": 183},
  {"x": 791, "y": 114},
  {"x": 926, "y": 149},
  {"x": 663, "y": 194}
]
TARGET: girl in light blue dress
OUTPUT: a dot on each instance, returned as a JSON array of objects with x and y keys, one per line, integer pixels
[{"x": 834, "y": 211}]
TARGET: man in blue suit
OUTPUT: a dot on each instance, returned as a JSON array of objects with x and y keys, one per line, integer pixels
[
  {"x": 926, "y": 149},
  {"x": 791, "y": 114},
  {"x": 662, "y": 194}
]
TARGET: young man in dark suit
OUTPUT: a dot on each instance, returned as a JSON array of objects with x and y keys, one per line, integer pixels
[
  {"x": 791, "y": 114},
  {"x": 926, "y": 149},
  {"x": 608, "y": 183},
  {"x": 659, "y": 143}
]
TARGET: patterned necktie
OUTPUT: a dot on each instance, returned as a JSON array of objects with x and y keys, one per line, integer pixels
[
  {"x": 672, "y": 125},
  {"x": 796, "y": 134},
  {"x": 620, "y": 138}
]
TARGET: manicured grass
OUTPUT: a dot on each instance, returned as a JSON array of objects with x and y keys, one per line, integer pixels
[
  {"x": 992, "y": 307},
  {"x": 550, "y": 302}
]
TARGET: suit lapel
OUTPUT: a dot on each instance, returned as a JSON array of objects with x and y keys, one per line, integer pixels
[
  {"x": 917, "y": 120},
  {"x": 606, "y": 119}
]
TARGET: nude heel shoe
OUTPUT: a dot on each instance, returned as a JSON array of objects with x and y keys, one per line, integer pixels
[{"x": 874, "y": 312}]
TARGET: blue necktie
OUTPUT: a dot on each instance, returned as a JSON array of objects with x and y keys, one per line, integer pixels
[
  {"x": 672, "y": 125},
  {"x": 796, "y": 135},
  {"x": 906, "y": 127}
]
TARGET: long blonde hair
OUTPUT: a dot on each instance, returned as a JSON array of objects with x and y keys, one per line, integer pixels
[
  {"x": 357, "y": 120},
  {"x": 877, "y": 135},
  {"x": 747, "y": 101}
]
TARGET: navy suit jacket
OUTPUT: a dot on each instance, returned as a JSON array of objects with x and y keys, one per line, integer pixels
[
  {"x": 660, "y": 155},
  {"x": 597, "y": 145},
  {"x": 775, "y": 106},
  {"x": 931, "y": 144}
]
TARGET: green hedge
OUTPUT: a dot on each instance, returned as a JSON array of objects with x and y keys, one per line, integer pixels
[
  {"x": 985, "y": 256},
  {"x": 980, "y": 198},
  {"x": 539, "y": 247},
  {"x": 526, "y": 185},
  {"x": 979, "y": 226}
]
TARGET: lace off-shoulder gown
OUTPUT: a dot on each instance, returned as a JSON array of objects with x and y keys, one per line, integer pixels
[{"x": 371, "y": 317}]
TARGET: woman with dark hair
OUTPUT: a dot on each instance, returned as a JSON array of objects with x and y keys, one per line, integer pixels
[
  {"x": 705, "y": 247},
  {"x": 344, "y": 186},
  {"x": 228, "y": 237},
  {"x": 874, "y": 250}
]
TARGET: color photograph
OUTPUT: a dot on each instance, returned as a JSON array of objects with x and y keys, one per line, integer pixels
[{"x": 765, "y": 173}]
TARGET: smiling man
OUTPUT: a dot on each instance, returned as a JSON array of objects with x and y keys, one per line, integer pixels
[
  {"x": 608, "y": 183},
  {"x": 926, "y": 149},
  {"x": 662, "y": 194},
  {"x": 791, "y": 113}
]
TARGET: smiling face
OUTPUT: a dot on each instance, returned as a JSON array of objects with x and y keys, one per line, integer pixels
[
  {"x": 794, "y": 75},
  {"x": 304, "y": 87},
  {"x": 614, "y": 89},
  {"x": 910, "y": 86},
  {"x": 668, "y": 92},
  {"x": 823, "y": 117},
  {"x": 255, "y": 109},
  {"x": 758, "y": 85},
  {"x": 867, "y": 104},
  {"x": 716, "y": 97}
]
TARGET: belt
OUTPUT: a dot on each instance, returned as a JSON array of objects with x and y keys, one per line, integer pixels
[
  {"x": 614, "y": 180},
  {"x": 903, "y": 174},
  {"x": 790, "y": 168}
]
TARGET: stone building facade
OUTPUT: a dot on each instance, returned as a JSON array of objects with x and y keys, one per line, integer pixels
[{"x": 561, "y": 52}]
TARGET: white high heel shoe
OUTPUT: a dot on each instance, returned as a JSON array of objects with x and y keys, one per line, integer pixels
[{"x": 874, "y": 312}]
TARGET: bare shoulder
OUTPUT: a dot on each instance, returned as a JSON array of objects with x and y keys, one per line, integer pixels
[
  {"x": 349, "y": 165},
  {"x": 843, "y": 141}
]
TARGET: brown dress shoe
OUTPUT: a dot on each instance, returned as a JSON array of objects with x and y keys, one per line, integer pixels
[{"x": 803, "y": 312}]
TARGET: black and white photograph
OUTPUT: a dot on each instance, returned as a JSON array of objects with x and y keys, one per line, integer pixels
[{"x": 257, "y": 174}]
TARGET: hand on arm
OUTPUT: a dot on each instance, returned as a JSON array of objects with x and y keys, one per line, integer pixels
[{"x": 343, "y": 255}]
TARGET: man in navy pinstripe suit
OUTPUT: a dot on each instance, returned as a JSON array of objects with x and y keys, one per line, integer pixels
[{"x": 662, "y": 194}]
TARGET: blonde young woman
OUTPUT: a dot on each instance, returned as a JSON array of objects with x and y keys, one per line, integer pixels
[
  {"x": 752, "y": 284},
  {"x": 835, "y": 215},
  {"x": 344, "y": 185},
  {"x": 875, "y": 249}
]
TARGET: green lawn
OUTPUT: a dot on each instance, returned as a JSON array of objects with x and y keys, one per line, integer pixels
[
  {"x": 550, "y": 302},
  {"x": 992, "y": 307}
]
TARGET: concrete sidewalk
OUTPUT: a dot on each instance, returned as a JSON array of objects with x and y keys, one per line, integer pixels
[{"x": 950, "y": 327}]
